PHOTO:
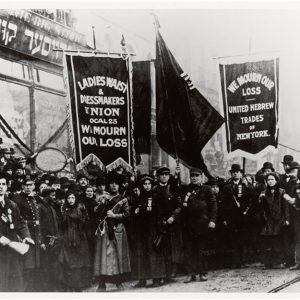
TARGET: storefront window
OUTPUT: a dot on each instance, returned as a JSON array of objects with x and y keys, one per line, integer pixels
[
  {"x": 50, "y": 113},
  {"x": 48, "y": 79},
  {"x": 14, "y": 107},
  {"x": 14, "y": 69}
]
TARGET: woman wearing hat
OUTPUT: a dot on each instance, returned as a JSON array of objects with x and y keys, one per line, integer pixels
[
  {"x": 276, "y": 212},
  {"x": 148, "y": 263},
  {"x": 112, "y": 262}
]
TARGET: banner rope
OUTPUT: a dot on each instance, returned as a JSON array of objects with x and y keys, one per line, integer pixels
[{"x": 289, "y": 147}]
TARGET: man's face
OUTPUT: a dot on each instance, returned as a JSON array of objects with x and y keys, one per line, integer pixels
[
  {"x": 164, "y": 177},
  {"x": 28, "y": 187},
  {"x": 293, "y": 173},
  {"x": 267, "y": 171},
  {"x": 3, "y": 186},
  {"x": 196, "y": 178},
  {"x": 19, "y": 172},
  {"x": 52, "y": 195},
  {"x": 286, "y": 167},
  {"x": 236, "y": 175},
  {"x": 82, "y": 181}
]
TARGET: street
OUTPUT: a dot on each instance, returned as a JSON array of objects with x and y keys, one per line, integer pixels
[{"x": 254, "y": 279}]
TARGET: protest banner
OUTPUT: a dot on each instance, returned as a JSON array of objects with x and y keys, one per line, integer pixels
[
  {"x": 99, "y": 110},
  {"x": 250, "y": 100}
]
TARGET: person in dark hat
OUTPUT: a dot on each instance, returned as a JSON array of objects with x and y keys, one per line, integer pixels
[
  {"x": 199, "y": 211},
  {"x": 112, "y": 259},
  {"x": 236, "y": 199},
  {"x": 169, "y": 207},
  {"x": 284, "y": 177},
  {"x": 55, "y": 183},
  {"x": 27, "y": 202}
]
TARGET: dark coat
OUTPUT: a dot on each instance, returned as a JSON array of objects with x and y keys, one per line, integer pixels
[
  {"x": 74, "y": 252},
  {"x": 146, "y": 262},
  {"x": 276, "y": 212},
  {"x": 11, "y": 277},
  {"x": 30, "y": 212},
  {"x": 169, "y": 205},
  {"x": 199, "y": 208},
  {"x": 236, "y": 200}
]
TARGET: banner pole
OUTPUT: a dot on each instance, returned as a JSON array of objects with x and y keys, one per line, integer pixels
[{"x": 244, "y": 164}]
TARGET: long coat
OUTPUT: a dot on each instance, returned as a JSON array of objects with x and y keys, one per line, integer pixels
[
  {"x": 30, "y": 212},
  {"x": 112, "y": 249},
  {"x": 74, "y": 253},
  {"x": 276, "y": 212},
  {"x": 169, "y": 205},
  {"x": 11, "y": 277},
  {"x": 146, "y": 262}
]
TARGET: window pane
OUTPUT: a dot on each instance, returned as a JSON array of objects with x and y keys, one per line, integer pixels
[
  {"x": 48, "y": 79},
  {"x": 14, "y": 69},
  {"x": 50, "y": 111},
  {"x": 14, "y": 107}
]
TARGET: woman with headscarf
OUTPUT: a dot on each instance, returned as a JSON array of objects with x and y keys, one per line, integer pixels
[{"x": 112, "y": 261}]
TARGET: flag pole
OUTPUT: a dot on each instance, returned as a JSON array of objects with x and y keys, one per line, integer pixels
[{"x": 157, "y": 26}]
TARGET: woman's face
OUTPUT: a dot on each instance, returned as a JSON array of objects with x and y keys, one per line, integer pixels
[
  {"x": 89, "y": 192},
  {"x": 249, "y": 179},
  {"x": 114, "y": 187},
  {"x": 271, "y": 181},
  {"x": 71, "y": 199},
  {"x": 147, "y": 185}
]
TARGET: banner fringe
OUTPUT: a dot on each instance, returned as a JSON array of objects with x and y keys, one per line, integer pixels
[
  {"x": 90, "y": 158},
  {"x": 119, "y": 162}
]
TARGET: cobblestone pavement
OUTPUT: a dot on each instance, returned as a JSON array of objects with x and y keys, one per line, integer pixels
[{"x": 246, "y": 280}]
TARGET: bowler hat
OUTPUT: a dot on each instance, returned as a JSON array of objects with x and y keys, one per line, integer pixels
[
  {"x": 268, "y": 165},
  {"x": 81, "y": 175},
  {"x": 287, "y": 159},
  {"x": 162, "y": 170},
  {"x": 236, "y": 168},
  {"x": 294, "y": 165}
]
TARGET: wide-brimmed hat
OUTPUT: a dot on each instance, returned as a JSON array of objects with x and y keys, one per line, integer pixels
[
  {"x": 162, "y": 170},
  {"x": 287, "y": 159},
  {"x": 236, "y": 168},
  {"x": 268, "y": 165}
]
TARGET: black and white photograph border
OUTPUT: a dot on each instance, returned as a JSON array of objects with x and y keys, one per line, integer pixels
[{"x": 257, "y": 38}]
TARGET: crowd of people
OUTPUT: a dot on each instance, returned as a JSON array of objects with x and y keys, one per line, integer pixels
[{"x": 112, "y": 229}]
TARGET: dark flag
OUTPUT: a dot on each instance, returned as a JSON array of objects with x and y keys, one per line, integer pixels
[
  {"x": 141, "y": 82},
  {"x": 185, "y": 121}
]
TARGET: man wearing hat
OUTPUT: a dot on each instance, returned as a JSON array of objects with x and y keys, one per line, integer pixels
[
  {"x": 284, "y": 178},
  {"x": 292, "y": 188},
  {"x": 199, "y": 210},
  {"x": 235, "y": 201},
  {"x": 169, "y": 207},
  {"x": 27, "y": 203}
]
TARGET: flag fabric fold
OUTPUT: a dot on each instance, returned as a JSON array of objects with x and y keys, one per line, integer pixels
[{"x": 185, "y": 120}]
